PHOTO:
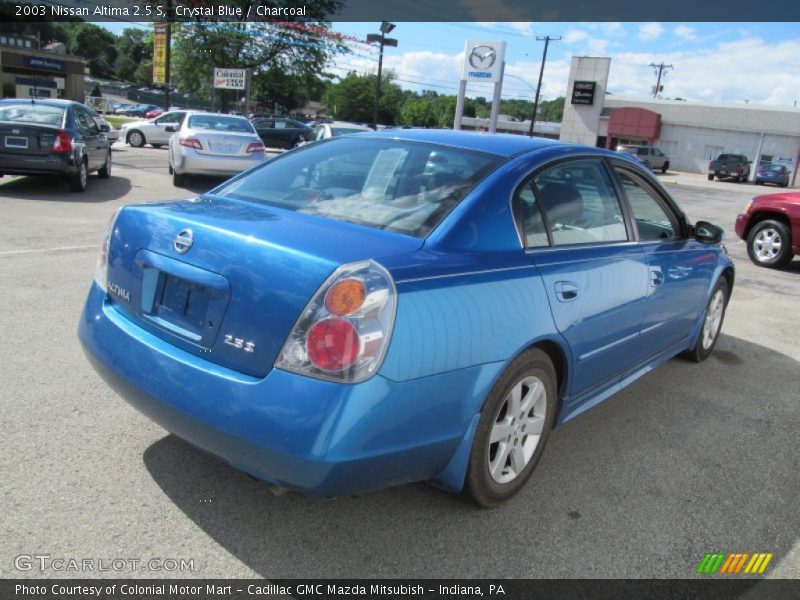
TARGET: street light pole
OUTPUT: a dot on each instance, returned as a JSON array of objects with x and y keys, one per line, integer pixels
[{"x": 386, "y": 27}]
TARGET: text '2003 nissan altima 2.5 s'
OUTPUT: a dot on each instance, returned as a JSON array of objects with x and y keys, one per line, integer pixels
[{"x": 401, "y": 306}]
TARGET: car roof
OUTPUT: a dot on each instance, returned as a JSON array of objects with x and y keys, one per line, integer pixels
[
  {"x": 347, "y": 124},
  {"x": 51, "y": 102},
  {"x": 205, "y": 113},
  {"x": 501, "y": 144}
]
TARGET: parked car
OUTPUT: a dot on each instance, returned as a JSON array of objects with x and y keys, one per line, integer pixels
[
  {"x": 771, "y": 227},
  {"x": 212, "y": 144},
  {"x": 152, "y": 114},
  {"x": 53, "y": 137},
  {"x": 281, "y": 132},
  {"x": 151, "y": 131},
  {"x": 772, "y": 173},
  {"x": 112, "y": 134},
  {"x": 729, "y": 166},
  {"x": 140, "y": 110},
  {"x": 400, "y": 306},
  {"x": 325, "y": 131},
  {"x": 649, "y": 155}
]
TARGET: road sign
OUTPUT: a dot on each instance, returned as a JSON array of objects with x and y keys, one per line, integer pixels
[{"x": 229, "y": 79}]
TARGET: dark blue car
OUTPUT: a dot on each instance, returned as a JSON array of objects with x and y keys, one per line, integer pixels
[
  {"x": 401, "y": 306},
  {"x": 53, "y": 137},
  {"x": 772, "y": 173}
]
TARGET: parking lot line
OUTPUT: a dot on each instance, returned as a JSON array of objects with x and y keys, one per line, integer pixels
[{"x": 57, "y": 249}]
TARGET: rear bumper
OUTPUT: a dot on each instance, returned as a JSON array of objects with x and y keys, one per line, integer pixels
[
  {"x": 312, "y": 436},
  {"x": 191, "y": 162},
  {"x": 50, "y": 164}
]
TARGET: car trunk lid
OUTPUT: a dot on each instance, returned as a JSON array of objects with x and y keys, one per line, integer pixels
[
  {"x": 27, "y": 139},
  {"x": 233, "y": 284}
]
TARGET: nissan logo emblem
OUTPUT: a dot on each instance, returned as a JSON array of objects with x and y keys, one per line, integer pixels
[
  {"x": 482, "y": 57},
  {"x": 183, "y": 241}
]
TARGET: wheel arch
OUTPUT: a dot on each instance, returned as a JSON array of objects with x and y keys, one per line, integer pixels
[{"x": 767, "y": 215}]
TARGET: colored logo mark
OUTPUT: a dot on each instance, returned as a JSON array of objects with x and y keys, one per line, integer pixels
[{"x": 734, "y": 563}]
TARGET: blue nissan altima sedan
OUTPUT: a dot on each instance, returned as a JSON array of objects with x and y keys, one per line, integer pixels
[{"x": 401, "y": 306}]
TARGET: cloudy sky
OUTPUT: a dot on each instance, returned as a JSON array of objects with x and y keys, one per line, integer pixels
[{"x": 715, "y": 62}]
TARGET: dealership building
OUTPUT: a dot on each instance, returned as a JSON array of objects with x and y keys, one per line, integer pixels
[
  {"x": 26, "y": 71},
  {"x": 690, "y": 133}
]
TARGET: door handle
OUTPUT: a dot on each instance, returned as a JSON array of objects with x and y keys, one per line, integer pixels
[
  {"x": 566, "y": 291},
  {"x": 656, "y": 277}
]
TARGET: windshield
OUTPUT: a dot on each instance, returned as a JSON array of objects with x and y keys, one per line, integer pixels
[
  {"x": 220, "y": 123},
  {"x": 32, "y": 113},
  {"x": 402, "y": 186}
]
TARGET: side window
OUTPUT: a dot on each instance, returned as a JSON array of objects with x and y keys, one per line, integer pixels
[
  {"x": 85, "y": 122},
  {"x": 654, "y": 219},
  {"x": 320, "y": 135},
  {"x": 534, "y": 233},
  {"x": 580, "y": 203}
]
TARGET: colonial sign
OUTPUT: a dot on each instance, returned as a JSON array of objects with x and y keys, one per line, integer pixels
[{"x": 229, "y": 79}]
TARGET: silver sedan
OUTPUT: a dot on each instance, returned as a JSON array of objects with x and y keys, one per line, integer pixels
[{"x": 212, "y": 144}]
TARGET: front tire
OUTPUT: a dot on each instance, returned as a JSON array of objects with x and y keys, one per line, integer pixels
[
  {"x": 712, "y": 323},
  {"x": 513, "y": 428},
  {"x": 79, "y": 180},
  {"x": 136, "y": 138},
  {"x": 769, "y": 244}
]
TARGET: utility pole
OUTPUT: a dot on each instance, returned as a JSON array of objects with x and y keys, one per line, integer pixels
[
  {"x": 386, "y": 27},
  {"x": 546, "y": 39},
  {"x": 660, "y": 70}
]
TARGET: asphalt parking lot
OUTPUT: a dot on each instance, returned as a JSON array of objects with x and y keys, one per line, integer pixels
[{"x": 688, "y": 460}]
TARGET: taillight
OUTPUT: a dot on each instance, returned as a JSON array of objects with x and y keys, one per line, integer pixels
[
  {"x": 62, "y": 143},
  {"x": 191, "y": 143},
  {"x": 344, "y": 331},
  {"x": 255, "y": 147},
  {"x": 101, "y": 271},
  {"x": 709, "y": 165}
]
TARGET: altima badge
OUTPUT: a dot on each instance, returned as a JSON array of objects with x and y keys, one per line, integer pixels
[{"x": 183, "y": 241}]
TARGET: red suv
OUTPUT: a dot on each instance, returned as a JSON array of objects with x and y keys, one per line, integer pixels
[{"x": 771, "y": 227}]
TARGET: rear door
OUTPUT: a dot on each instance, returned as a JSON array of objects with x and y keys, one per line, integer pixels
[
  {"x": 96, "y": 144},
  {"x": 576, "y": 232},
  {"x": 678, "y": 266}
]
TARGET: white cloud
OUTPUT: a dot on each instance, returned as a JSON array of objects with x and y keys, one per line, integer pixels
[
  {"x": 687, "y": 33},
  {"x": 575, "y": 35},
  {"x": 751, "y": 68},
  {"x": 613, "y": 28},
  {"x": 650, "y": 31}
]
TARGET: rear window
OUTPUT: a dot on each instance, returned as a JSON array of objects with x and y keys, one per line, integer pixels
[
  {"x": 32, "y": 113},
  {"x": 401, "y": 186},
  {"x": 220, "y": 123}
]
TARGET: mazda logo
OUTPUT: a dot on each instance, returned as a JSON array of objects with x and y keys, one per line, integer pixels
[
  {"x": 183, "y": 241},
  {"x": 482, "y": 57}
]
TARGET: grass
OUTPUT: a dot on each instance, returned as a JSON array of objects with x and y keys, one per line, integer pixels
[{"x": 117, "y": 121}]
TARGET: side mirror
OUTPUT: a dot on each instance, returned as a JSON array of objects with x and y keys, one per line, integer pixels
[
  {"x": 104, "y": 128},
  {"x": 169, "y": 129},
  {"x": 708, "y": 233}
]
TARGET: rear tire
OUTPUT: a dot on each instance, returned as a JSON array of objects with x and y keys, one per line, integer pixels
[
  {"x": 105, "y": 171},
  {"x": 178, "y": 179},
  {"x": 769, "y": 244},
  {"x": 136, "y": 138},
  {"x": 665, "y": 167},
  {"x": 79, "y": 180},
  {"x": 711, "y": 178},
  {"x": 512, "y": 431},
  {"x": 712, "y": 323}
]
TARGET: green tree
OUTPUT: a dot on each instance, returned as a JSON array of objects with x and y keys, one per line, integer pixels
[
  {"x": 133, "y": 46},
  {"x": 96, "y": 45},
  {"x": 200, "y": 46},
  {"x": 353, "y": 99}
]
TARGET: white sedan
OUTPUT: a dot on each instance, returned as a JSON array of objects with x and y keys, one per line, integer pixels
[
  {"x": 212, "y": 144},
  {"x": 152, "y": 131}
]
